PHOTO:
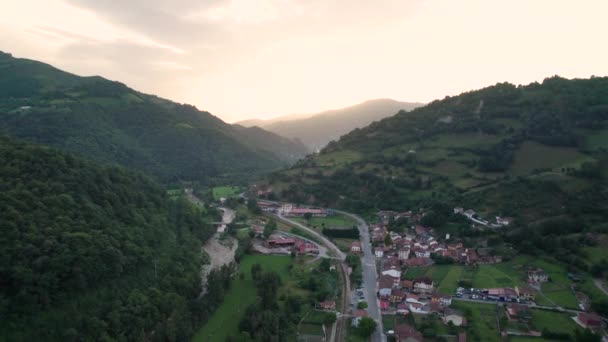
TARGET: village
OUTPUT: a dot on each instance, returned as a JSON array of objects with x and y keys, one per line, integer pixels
[
  {"x": 408, "y": 298},
  {"x": 419, "y": 247}
]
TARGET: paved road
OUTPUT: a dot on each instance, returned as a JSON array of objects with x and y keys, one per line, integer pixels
[
  {"x": 600, "y": 285},
  {"x": 368, "y": 263},
  {"x": 330, "y": 245}
]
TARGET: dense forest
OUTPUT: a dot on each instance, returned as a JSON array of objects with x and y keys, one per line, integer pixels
[
  {"x": 97, "y": 253},
  {"x": 111, "y": 123}
]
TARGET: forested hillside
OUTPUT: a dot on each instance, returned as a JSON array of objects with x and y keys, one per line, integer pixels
[
  {"x": 461, "y": 144},
  {"x": 111, "y": 123},
  {"x": 96, "y": 253}
]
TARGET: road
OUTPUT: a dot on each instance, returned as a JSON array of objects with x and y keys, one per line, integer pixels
[
  {"x": 600, "y": 285},
  {"x": 330, "y": 245},
  {"x": 339, "y": 329},
  {"x": 368, "y": 265}
]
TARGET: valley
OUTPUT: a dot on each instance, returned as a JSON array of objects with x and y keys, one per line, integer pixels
[{"x": 481, "y": 216}]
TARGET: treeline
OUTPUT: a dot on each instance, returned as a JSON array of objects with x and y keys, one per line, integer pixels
[
  {"x": 352, "y": 233},
  {"x": 96, "y": 253}
]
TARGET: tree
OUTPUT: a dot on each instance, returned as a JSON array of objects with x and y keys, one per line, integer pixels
[
  {"x": 308, "y": 217},
  {"x": 388, "y": 240},
  {"x": 366, "y": 327},
  {"x": 256, "y": 272},
  {"x": 270, "y": 227},
  {"x": 252, "y": 205}
]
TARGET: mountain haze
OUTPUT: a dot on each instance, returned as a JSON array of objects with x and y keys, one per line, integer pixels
[
  {"x": 109, "y": 122},
  {"x": 316, "y": 130}
]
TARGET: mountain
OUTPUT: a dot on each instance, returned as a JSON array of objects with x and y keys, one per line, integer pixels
[
  {"x": 464, "y": 145},
  {"x": 316, "y": 130},
  {"x": 111, "y": 123},
  {"x": 97, "y": 253}
]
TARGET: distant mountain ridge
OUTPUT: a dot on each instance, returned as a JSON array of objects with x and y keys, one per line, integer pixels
[
  {"x": 111, "y": 123},
  {"x": 317, "y": 130},
  {"x": 477, "y": 140}
]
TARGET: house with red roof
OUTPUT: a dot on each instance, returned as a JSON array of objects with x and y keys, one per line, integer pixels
[
  {"x": 403, "y": 309},
  {"x": 355, "y": 247},
  {"x": 385, "y": 305},
  {"x": 418, "y": 262},
  {"x": 328, "y": 305},
  {"x": 407, "y": 333},
  {"x": 589, "y": 320},
  {"x": 423, "y": 285}
]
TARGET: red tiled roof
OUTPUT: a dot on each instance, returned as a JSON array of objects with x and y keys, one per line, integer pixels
[{"x": 404, "y": 331}]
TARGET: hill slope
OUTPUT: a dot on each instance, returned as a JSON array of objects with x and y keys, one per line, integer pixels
[
  {"x": 319, "y": 129},
  {"x": 95, "y": 253},
  {"x": 109, "y": 122},
  {"x": 464, "y": 143}
]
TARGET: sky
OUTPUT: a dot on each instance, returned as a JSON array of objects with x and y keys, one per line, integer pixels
[{"x": 241, "y": 59}]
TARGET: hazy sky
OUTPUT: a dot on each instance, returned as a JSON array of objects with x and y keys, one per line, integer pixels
[{"x": 262, "y": 58}]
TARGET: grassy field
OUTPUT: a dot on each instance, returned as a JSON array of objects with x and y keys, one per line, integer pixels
[
  {"x": 333, "y": 221},
  {"x": 507, "y": 274},
  {"x": 532, "y": 155},
  {"x": 553, "y": 321},
  {"x": 224, "y": 191},
  {"x": 483, "y": 325},
  {"x": 339, "y": 157},
  {"x": 241, "y": 294},
  {"x": 596, "y": 254},
  {"x": 596, "y": 139}
]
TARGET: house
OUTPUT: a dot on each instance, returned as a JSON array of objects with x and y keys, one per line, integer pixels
[
  {"x": 392, "y": 272},
  {"x": 407, "y": 333},
  {"x": 281, "y": 242},
  {"x": 419, "y": 308},
  {"x": 421, "y": 253},
  {"x": 455, "y": 246},
  {"x": 407, "y": 285},
  {"x": 258, "y": 230},
  {"x": 589, "y": 321},
  {"x": 454, "y": 316},
  {"x": 471, "y": 256},
  {"x": 385, "y": 286},
  {"x": 358, "y": 315},
  {"x": 397, "y": 296},
  {"x": 379, "y": 252},
  {"x": 328, "y": 305},
  {"x": 503, "y": 221},
  {"x": 402, "y": 309},
  {"x": 418, "y": 262},
  {"x": 423, "y": 285},
  {"x": 525, "y": 293},
  {"x": 505, "y": 294},
  {"x": 385, "y": 305},
  {"x": 423, "y": 230},
  {"x": 305, "y": 247},
  {"x": 355, "y": 247},
  {"x": 443, "y": 300},
  {"x": 518, "y": 312},
  {"x": 537, "y": 275},
  {"x": 412, "y": 298},
  {"x": 458, "y": 210}
]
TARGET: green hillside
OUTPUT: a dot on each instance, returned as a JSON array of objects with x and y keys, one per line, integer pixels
[
  {"x": 96, "y": 253},
  {"x": 111, "y": 123},
  {"x": 461, "y": 144}
]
